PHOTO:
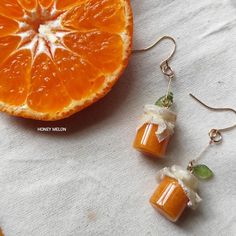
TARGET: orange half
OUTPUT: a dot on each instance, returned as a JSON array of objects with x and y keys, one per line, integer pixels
[{"x": 60, "y": 56}]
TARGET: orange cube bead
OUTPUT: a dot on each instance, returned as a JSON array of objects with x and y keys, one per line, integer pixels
[
  {"x": 146, "y": 141},
  {"x": 1, "y": 233},
  {"x": 170, "y": 199}
]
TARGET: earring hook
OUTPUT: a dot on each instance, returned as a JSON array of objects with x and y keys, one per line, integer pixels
[
  {"x": 165, "y": 68},
  {"x": 215, "y": 134}
]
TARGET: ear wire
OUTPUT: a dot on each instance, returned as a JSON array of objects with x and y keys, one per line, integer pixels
[
  {"x": 215, "y": 134},
  {"x": 165, "y": 67}
]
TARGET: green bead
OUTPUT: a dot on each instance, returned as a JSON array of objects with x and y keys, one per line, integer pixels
[
  {"x": 202, "y": 172},
  {"x": 165, "y": 101}
]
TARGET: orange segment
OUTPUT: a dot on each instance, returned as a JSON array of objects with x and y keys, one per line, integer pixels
[
  {"x": 106, "y": 15},
  {"x": 79, "y": 77},
  {"x": 103, "y": 50},
  {"x": 11, "y": 8},
  {"x": 62, "y": 4},
  {"x": 7, "y": 45},
  {"x": 14, "y": 78},
  {"x": 7, "y": 26},
  {"x": 45, "y": 3},
  {"x": 64, "y": 55},
  {"x": 47, "y": 92},
  {"x": 28, "y": 4}
]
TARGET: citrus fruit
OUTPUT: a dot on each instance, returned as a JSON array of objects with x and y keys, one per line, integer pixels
[{"x": 60, "y": 56}]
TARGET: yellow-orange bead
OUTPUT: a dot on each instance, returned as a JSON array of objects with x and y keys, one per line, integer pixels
[
  {"x": 1, "y": 233},
  {"x": 169, "y": 199},
  {"x": 146, "y": 141}
]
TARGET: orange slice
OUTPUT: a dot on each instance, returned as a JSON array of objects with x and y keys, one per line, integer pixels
[{"x": 60, "y": 56}]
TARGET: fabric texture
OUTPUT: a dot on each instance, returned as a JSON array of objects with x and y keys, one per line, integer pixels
[{"x": 89, "y": 180}]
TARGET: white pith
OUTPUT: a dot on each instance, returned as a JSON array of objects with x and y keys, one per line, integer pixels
[{"x": 49, "y": 35}]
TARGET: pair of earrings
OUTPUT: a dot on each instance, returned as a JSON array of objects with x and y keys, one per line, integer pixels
[{"x": 177, "y": 185}]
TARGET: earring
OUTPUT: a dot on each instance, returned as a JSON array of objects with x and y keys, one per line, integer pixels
[
  {"x": 158, "y": 121},
  {"x": 177, "y": 186}
]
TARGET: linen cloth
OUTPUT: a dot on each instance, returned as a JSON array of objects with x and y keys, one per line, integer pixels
[{"x": 89, "y": 180}]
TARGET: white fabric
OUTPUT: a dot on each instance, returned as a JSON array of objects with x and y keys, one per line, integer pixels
[
  {"x": 90, "y": 181},
  {"x": 163, "y": 117},
  {"x": 187, "y": 181}
]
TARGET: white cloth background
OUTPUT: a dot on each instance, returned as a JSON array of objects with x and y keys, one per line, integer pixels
[{"x": 89, "y": 180}]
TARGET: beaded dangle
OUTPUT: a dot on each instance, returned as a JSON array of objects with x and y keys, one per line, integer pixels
[
  {"x": 178, "y": 186},
  {"x": 158, "y": 121}
]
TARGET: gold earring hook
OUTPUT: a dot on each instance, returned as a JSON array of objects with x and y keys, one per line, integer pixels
[
  {"x": 215, "y": 134},
  {"x": 165, "y": 68}
]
